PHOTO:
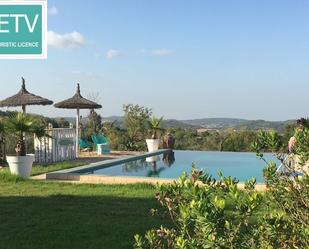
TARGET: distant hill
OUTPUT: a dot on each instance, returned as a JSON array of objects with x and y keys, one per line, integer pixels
[
  {"x": 208, "y": 123},
  {"x": 265, "y": 125},
  {"x": 168, "y": 123},
  {"x": 173, "y": 123},
  {"x": 237, "y": 124},
  {"x": 216, "y": 123},
  {"x": 69, "y": 119}
]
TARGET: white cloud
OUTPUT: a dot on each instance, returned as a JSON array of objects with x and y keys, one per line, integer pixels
[
  {"x": 112, "y": 53},
  {"x": 53, "y": 11},
  {"x": 157, "y": 52},
  {"x": 161, "y": 52},
  {"x": 66, "y": 41}
]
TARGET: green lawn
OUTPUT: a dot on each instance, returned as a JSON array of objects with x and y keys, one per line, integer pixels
[
  {"x": 38, "y": 169},
  {"x": 40, "y": 215},
  {"x": 41, "y": 169},
  {"x": 54, "y": 215}
]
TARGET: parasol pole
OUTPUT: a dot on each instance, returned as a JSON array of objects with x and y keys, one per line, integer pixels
[
  {"x": 24, "y": 134},
  {"x": 23, "y": 90},
  {"x": 77, "y": 133},
  {"x": 23, "y": 87},
  {"x": 24, "y": 109}
]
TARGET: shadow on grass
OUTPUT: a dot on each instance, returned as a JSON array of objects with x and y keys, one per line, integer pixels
[{"x": 65, "y": 221}]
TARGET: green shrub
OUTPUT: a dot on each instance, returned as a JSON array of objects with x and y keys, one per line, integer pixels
[{"x": 217, "y": 214}]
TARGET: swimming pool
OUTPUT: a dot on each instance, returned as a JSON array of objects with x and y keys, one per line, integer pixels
[{"x": 172, "y": 164}]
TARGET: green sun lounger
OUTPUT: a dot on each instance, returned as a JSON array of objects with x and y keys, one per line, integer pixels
[
  {"x": 102, "y": 143},
  {"x": 84, "y": 146}
]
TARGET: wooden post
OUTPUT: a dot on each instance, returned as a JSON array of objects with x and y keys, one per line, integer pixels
[
  {"x": 24, "y": 134},
  {"x": 77, "y": 133}
]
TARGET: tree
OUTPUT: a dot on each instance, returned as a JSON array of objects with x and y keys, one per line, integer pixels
[
  {"x": 63, "y": 123},
  {"x": 135, "y": 123},
  {"x": 115, "y": 135},
  {"x": 94, "y": 124},
  {"x": 223, "y": 136},
  {"x": 94, "y": 121}
]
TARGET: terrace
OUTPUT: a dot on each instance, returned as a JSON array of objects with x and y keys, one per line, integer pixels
[{"x": 43, "y": 207}]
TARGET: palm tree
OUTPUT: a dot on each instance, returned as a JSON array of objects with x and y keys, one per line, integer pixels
[
  {"x": 20, "y": 124},
  {"x": 155, "y": 126}
]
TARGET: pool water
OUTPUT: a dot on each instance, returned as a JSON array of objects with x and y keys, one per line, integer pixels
[{"x": 241, "y": 165}]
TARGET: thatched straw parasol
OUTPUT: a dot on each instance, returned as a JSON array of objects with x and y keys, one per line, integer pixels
[
  {"x": 77, "y": 102},
  {"x": 24, "y": 98}
]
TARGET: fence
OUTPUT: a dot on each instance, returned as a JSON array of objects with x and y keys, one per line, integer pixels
[{"x": 60, "y": 146}]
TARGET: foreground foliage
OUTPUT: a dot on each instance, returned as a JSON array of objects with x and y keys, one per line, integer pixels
[
  {"x": 288, "y": 188},
  {"x": 217, "y": 214},
  {"x": 210, "y": 213}
]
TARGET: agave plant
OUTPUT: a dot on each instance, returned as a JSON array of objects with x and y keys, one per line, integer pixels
[
  {"x": 155, "y": 126},
  {"x": 19, "y": 125}
]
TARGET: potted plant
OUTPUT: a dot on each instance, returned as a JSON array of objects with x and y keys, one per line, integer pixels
[
  {"x": 155, "y": 128},
  {"x": 19, "y": 125}
]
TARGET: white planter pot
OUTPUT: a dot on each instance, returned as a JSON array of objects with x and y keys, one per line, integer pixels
[
  {"x": 20, "y": 165},
  {"x": 152, "y": 159},
  {"x": 153, "y": 144}
]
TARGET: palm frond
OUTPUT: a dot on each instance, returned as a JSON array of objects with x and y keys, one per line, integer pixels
[
  {"x": 19, "y": 123},
  {"x": 154, "y": 124}
]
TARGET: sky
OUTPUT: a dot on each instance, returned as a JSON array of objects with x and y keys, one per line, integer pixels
[{"x": 183, "y": 58}]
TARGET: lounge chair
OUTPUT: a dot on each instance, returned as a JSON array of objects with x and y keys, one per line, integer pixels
[
  {"x": 84, "y": 146},
  {"x": 102, "y": 143}
]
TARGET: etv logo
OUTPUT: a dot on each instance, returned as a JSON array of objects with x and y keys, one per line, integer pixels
[{"x": 23, "y": 28}]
